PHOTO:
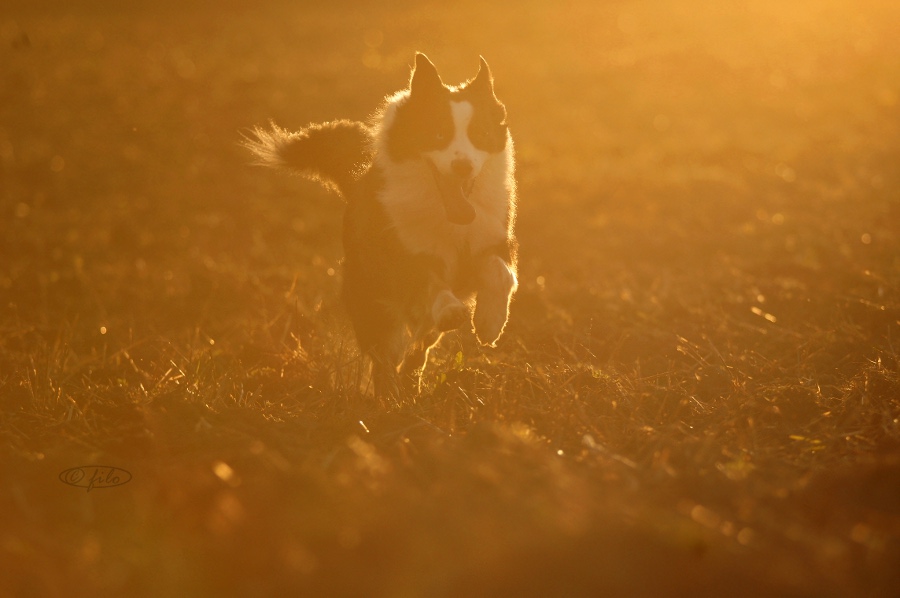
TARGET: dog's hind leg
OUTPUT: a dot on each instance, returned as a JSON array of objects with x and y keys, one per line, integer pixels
[
  {"x": 416, "y": 357},
  {"x": 382, "y": 337},
  {"x": 386, "y": 356},
  {"x": 385, "y": 378}
]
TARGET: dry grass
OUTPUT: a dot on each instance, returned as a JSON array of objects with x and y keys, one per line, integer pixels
[{"x": 699, "y": 390}]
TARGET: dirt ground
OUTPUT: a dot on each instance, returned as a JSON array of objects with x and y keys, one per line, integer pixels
[{"x": 698, "y": 393}]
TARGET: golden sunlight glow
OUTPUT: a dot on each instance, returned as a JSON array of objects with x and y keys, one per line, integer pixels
[
  {"x": 696, "y": 391},
  {"x": 223, "y": 471}
]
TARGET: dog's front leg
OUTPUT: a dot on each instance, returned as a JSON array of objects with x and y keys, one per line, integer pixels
[{"x": 496, "y": 285}]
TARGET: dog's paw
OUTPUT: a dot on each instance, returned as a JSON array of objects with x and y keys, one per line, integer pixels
[
  {"x": 490, "y": 318},
  {"x": 492, "y": 306},
  {"x": 448, "y": 312}
]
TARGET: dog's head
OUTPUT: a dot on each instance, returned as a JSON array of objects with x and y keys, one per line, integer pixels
[{"x": 455, "y": 130}]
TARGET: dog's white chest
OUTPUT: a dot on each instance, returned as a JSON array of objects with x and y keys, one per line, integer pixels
[{"x": 417, "y": 214}]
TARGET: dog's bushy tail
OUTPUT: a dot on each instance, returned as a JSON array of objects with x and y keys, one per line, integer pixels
[{"x": 334, "y": 153}]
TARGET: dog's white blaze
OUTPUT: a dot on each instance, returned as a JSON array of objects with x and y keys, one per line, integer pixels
[{"x": 461, "y": 146}]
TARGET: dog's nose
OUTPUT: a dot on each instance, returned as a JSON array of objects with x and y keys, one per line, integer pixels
[{"x": 461, "y": 168}]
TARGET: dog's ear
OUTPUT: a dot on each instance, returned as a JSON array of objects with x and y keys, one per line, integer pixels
[
  {"x": 484, "y": 80},
  {"x": 425, "y": 77}
]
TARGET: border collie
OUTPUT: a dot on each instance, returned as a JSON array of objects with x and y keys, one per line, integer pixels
[{"x": 430, "y": 209}]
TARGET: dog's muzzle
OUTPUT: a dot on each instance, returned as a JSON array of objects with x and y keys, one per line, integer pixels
[{"x": 454, "y": 191}]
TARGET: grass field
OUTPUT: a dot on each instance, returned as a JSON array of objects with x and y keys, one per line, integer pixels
[{"x": 698, "y": 393}]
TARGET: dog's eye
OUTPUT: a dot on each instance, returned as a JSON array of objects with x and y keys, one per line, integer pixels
[{"x": 439, "y": 136}]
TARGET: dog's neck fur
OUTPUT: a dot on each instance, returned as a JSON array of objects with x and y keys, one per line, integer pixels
[{"x": 410, "y": 197}]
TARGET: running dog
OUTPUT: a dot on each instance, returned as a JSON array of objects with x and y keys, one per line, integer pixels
[{"x": 428, "y": 234}]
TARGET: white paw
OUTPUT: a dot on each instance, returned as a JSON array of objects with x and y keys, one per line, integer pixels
[
  {"x": 448, "y": 312},
  {"x": 492, "y": 306},
  {"x": 489, "y": 322}
]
